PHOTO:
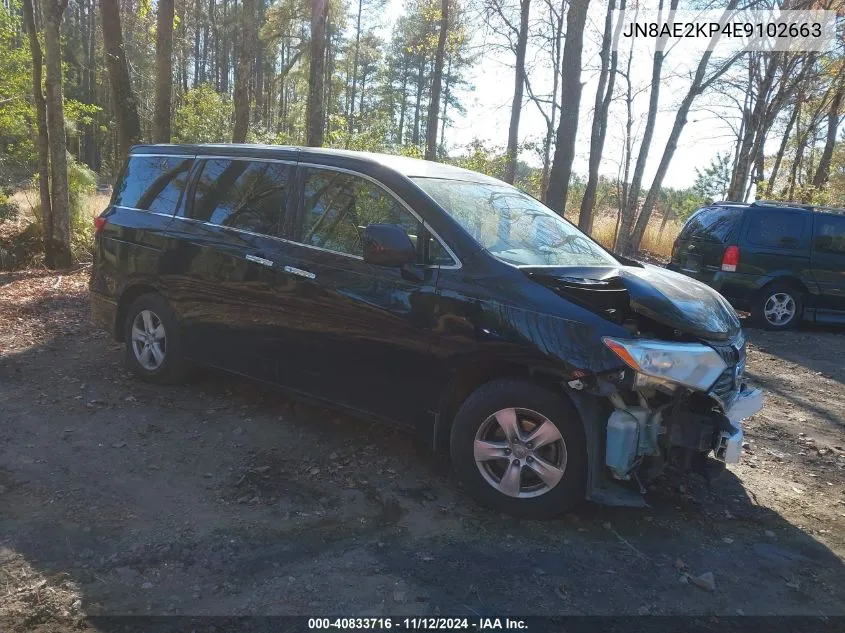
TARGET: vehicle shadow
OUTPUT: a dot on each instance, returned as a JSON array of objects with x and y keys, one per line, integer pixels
[
  {"x": 814, "y": 347},
  {"x": 222, "y": 497}
]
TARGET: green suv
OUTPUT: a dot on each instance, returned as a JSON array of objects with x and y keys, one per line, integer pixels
[{"x": 782, "y": 262}]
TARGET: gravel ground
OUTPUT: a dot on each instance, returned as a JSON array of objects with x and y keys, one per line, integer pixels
[{"x": 223, "y": 497}]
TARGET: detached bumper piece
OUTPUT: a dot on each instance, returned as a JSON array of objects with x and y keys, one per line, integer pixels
[{"x": 747, "y": 403}]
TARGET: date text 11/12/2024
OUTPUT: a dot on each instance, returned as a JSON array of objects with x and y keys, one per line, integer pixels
[{"x": 419, "y": 624}]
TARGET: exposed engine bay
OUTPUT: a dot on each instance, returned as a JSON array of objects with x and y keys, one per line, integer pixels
[{"x": 681, "y": 394}]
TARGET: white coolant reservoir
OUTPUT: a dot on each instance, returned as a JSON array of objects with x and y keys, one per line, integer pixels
[{"x": 624, "y": 431}]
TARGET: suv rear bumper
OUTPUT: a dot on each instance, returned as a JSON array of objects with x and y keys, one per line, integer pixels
[{"x": 103, "y": 312}]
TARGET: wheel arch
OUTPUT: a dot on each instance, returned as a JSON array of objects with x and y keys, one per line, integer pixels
[
  {"x": 787, "y": 280},
  {"x": 129, "y": 294},
  {"x": 470, "y": 375}
]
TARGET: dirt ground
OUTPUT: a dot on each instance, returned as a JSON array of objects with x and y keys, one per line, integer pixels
[{"x": 224, "y": 497}]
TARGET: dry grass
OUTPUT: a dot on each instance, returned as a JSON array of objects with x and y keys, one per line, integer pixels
[
  {"x": 27, "y": 201},
  {"x": 655, "y": 242}
]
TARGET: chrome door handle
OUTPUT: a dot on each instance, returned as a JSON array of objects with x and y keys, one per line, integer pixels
[
  {"x": 260, "y": 260},
  {"x": 299, "y": 272}
]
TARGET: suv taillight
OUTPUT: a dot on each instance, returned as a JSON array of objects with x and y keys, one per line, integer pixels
[
  {"x": 99, "y": 222},
  {"x": 674, "y": 250},
  {"x": 730, "y": 260}
]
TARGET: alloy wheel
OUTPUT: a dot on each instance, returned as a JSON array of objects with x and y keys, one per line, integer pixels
[
  {"x": 779, "y": 309},
  {"x": 149, "y": 340},
  {"x": 520, "y": 452}
]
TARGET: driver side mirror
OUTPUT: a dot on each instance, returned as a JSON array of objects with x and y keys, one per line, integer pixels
[{"x": 388, "y": 245}]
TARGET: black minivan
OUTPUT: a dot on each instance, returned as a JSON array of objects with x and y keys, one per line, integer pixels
[
  {"x": 426, "y": 296},
  {"x": 782, "y": 262}
]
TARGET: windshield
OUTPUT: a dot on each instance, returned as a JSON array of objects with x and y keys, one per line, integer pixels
[{"x": 513, "y": 226}]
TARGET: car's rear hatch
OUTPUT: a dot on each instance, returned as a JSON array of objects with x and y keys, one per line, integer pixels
[{"x": 701, "y": 244}]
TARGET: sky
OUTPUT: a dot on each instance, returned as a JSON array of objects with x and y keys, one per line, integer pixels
[{"x": 488, "y": 107}]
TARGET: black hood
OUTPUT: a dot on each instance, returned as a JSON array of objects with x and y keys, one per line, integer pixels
[{"x": 669, "y": 298}]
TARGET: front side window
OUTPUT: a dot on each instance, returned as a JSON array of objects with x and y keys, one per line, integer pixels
[
  {"x": 715, "y": 224},
  {"x": 513, "y": 226},
  {"x": 153, "y": 183},
  {"x": 830, "y": 234},
  {"x": 775, "y": 228},
  {"x": 242, "y": 194},
  {"x": 338, "y": 206}
]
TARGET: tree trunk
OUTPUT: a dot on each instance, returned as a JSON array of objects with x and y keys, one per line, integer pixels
[
  {"x": 699, "y": 85},
  {"x": 246, "y": 56},
  {"x": 823, "y": 170},
  {"x": 59, "y": 198},
  {"x": 415, "y": 137},
  {"x": 123, "y": 100},
  {"x": 744, "y": 157},
  {"x": 630, "y": 211},
  {"x": 164, "y": 71},
  {"x": 570, "y": 102},
  {"x": 42, "y": 139},
  {"x": 355, "y": 68},
  {"x": 518, "y": 87},
  {"x": 315, "y": 107},
  {"x": 604, "y": 95},
  {"x": 782, "y": 149},
  {"x": 436, "y": 85}
]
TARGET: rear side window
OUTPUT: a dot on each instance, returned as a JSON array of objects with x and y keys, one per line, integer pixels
[
  {"x": 714, "y": 224},
  {"x": 153, "y": 183},
  {"x": 829, "y": 234},
  {"x": 775, "y": 228},
  {"x": 338, "y": 207},
  {"x": 242, "y": 194}
]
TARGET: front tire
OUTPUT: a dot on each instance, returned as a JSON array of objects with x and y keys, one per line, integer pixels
[
  {"x": 779, "y": 307},
  {"x": 152, "y": 341},
  {"x": 519, "y": 448}
]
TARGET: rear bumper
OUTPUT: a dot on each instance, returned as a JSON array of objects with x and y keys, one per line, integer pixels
[{"x": 103, "y": 313}]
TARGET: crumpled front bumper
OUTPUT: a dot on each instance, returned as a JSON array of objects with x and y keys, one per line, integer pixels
[{"x": 747, "y": 403}]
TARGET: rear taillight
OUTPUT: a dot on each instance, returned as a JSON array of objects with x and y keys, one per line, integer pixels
[
  {"x": 730, "y": 260},
  {"x": 99, "y": 222},
  {"x": 674, "y": 250}
]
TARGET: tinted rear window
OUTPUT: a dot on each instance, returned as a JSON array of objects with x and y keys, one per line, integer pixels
[
  {"x": 830, "y": 234},
  {"x": 153, "y": 183},
  {"x": 241, "y": 194},
  {"x": 713, "y": 225},
  {"x": 775, "y": 228}
]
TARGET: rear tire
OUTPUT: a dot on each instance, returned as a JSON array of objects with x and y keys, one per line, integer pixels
[
  {"x": 779, "y": 307},
  {"x": 538, "y": 472},
  {"x": 152, "y": 341}
]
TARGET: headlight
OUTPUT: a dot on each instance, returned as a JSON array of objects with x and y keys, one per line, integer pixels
[{"x": 690, "y": 364}]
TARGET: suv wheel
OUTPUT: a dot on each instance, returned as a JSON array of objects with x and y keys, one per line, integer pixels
[
  {"x": 519, "y": 448},
  {"x": 152, "y": 343},
  {"x": 779, "y": 307}
]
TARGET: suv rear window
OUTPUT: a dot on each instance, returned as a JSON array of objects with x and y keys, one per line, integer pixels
[
  {"x": 830, "y": 234},
  {"x": 713, "y": 224},
  {"x": 153, "y": 183},
  {"x": 775, "y": 228}
]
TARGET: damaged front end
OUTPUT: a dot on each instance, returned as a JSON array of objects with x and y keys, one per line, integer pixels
[{"x": 680, "y": 395}]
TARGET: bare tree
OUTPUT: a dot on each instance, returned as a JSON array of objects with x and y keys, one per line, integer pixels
[
  {"x": 123, "y": 99},
  {"x": 53, "y": 10},
  {"x": 700, "y": 83},
  {"x": 834, "y": 118},
  {"x": 516, "y": 34},
  {"x": 436, "y": 83},
  {"x": 42, "y": 137},
  {"x": 633, "y": 198},
  {"x": 576, "y": 20},
  {"x": 604, "y": 95},
  {"x": 243, "y": 70},
  {"x": 315, "y": 108},
  {"x": 164, "y": 71}
]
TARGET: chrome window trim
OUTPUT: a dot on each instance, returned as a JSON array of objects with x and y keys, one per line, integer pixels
[
  {"x": 131, "y": 156},
  {"x": 456, "y": 266}
]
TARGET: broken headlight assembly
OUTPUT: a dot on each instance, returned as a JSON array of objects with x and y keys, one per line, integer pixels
[{"x": 692, "y": 365}]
